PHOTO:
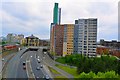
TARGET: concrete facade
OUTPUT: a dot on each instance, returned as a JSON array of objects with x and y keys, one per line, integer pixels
[
  {"x": 85, "y": 36},
  {"x": 68, "y": 39}
]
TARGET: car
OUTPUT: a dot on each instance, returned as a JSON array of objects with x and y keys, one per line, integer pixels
[
  {"x": 38, "y": 60},
  {"x": 24, "y": 63},
  {"x": 38, "y": 68},
  {"x": 47, "y": 77},
  {"x": 41, "y": 66},
  {"x": 24, "y": 67},
  {"x": 3, "y": 59},
  {"x": 45, "y": 52}
]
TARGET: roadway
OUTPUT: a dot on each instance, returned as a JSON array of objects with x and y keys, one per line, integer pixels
[
  {"x": 14, "y": 68},
  {"x": 51, "y": 63}
]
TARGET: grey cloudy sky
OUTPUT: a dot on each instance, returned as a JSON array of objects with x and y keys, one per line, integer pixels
[{"x": 34, "y": 16}]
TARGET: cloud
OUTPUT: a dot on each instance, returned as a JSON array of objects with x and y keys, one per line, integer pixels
[
  {"x": 34, "y": 17},
  {"x": 106, "y": 12},
  {"x": 25, "y": 19}
]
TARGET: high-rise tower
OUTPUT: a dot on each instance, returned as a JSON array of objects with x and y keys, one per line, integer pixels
[
  {"x": 56, "y": 14},
  {"x": 59, "y": 16},
  {"x": 85, "y": 36}
]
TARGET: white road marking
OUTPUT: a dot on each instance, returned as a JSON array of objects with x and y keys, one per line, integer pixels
[
  {"x": 27, "y": 60},
  {"x": 26, "y": 68},
  {"x": 35, "y": 56},
  {"x": 32, "y": 71}
]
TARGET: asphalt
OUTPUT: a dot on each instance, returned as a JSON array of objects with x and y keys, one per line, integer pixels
[
  {"x": 34, "y": 65},
  {"x": 14, "y": 68},
  {"x": 48, "y": 61}
]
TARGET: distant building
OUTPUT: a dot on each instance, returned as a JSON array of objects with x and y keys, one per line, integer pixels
[
  {"x": 85, "y": 36},
  {"x": 44, "y": 43},
  {"x": 10, "y": 38},
  {"x": 109, "y": 48},
  {"x": 32, "y": 41},
  {"x": 104, "y": 50},
  {"x": 14, "y": 38},
  {"x": 111, "y": 44}
]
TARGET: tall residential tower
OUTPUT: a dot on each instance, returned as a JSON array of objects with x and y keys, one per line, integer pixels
[{"x": 85, "y": 36}]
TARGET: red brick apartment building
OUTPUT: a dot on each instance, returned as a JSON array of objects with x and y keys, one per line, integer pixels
[{"x": 59, "y": 33}]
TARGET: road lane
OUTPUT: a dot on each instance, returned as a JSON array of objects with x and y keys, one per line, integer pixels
[
  {"x": 21, "y": 73},
  {"x": 15, "y": 67},
  {"x": 29, "y": 71},
  {"x": 49, "y": 62},
  {"x": 34, "y": 64},
  {"x": 11, "y": 68}
]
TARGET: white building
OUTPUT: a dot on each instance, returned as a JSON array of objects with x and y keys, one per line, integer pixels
[{"x": 85, "y": 36}]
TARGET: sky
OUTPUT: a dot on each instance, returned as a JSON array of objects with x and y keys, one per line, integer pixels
[{"x": 35, "y": 16}]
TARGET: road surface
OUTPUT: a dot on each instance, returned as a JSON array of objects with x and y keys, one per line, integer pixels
[{"x": 14, "y": 69}]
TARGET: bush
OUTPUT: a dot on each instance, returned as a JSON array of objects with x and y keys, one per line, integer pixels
[
  {"x": 109, "y": 74},
  {"x": 96, "y": 64}
]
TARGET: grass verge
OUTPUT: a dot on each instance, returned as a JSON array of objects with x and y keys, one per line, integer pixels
[
  {"x": 56, "y": 74},
  {"x": 72, "y": 71},
  {"x": 53, "y": 70}
]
